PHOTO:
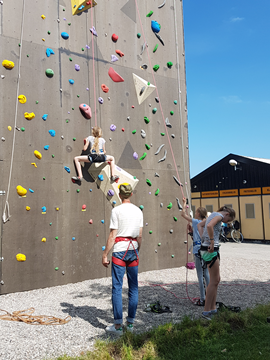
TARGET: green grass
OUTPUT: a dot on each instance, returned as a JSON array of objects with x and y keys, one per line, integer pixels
[{"x": 229, "y": 336}]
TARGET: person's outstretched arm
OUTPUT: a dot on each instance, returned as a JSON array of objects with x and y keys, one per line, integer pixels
[{"x": 183, "y": 213}]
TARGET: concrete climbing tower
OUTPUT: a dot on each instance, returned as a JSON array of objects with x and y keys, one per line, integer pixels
[{"x": 66, "y": 67}]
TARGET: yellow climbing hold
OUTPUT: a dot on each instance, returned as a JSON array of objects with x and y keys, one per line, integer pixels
[
  {"x": 21, "y": 191},
  {"x": 22, "y": 99},
  {"x": 29, "y": 116},
  {"x": 43, "y": 39},
  {"x": 9, "y": 128},
  {"x": 27, "y": 208},
  {"x": 37, "y": 154},
  {"x": 20, "y": 257},
  {"x": 57, "y": 209},
  {"x": 43, "y": 239},
  {"x": 43, "y": 17},
  {"x": 8, "y": 64}
]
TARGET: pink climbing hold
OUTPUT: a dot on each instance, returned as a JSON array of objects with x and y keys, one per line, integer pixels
[
  {"x": 114, "y": 37},
  {"x": 123, "y": 129},
  {"x": 120, "y": 53},
  {"x": 86, "y": 111},
  {"x": 114, "y": 75},
  {"x": 90, "y": 221}
]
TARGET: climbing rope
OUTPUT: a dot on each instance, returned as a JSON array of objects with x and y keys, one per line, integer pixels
[
  {"x": 93, "y": 56},
  {"x": 27, "y": 317},
  {"x": 6, "y": 216},
  {"x": 160, "y": 105}
]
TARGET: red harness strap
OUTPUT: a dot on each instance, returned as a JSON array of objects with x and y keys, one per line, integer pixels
[{"x": 121, "y": 262}]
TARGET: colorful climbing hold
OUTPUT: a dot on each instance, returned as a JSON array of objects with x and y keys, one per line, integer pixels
[
  {"x": 146, "y": 120},
  {"x": 164, "y": 157},
  {"x": 110, "y": 192},
  {"x": 43, "y": 17},
  {"x": 150, "y": 13},
  {"x": 100, "y": 177},
  {"x": 83, "y": 207},
  {"x": 139, "y": 35},
  {"x": 49, "y": 52},
  {"x": 43, "y": 239},
  {"x": 154, "y": 110},
  {"x": 148, "y": 147},
  {"x": 100, "y": 100},
  {"x": 169, "y": 206},
  {"x": 171, "y": 112},
  {"x": 141, "y": 207},
  {"x": 169, "y": 64},
  {"x": 143, "y": 134},
  {"x": 114, "y": 58},
  {"x": 22, "y": 99},
  {"x": 155, "y": 67},
  {"x": 21, "y": 191},
  {"x": 52, "y": 132},
  {"x": 37, "y": 154},
  {"x": 143, "y": 156},
  {"x": 162, "y": 134},
  {"x": 64, "y": 35},
  {"x": 56, "y": 268},
  {"x": 155, "y": 48},
  {"x": 155, "y": 26},
  {"x": 9, "y": 128},
  {"x": 71, "y": 81},
  {"x": 93, "y": 31},
  {"x": 31, "y": 191},
  {"x": 114, "y": 37},
  {"x": 49, "y": 73},
  {"x": 104, "y": 88},
  {"x": 120, "y": 53},
  {"x": 175, "y": 218},
  {"x": 148, "y": 182},
  {"x": 86, "y": 111},
  {"x": 134, "y": 131},
  {"x": 157, "y": 192},
  {"x": 20, "y": 257},
  {"x": 29, "y": 116},
  {"x": 43, "y": 209},
  {"x": 150, "y": 232},
  {"x": 113, "y": 127},
  {"x": 90, "y": 221},
  {"x": 175, "y": 102},
  {"x": 123, "y": 129},
  {"x": 67, "y": 169},
  {"x": 8, "y": 64},
  {"x": 28, "y": 208},
  {"x": 114, "y": 75},
  {"x": 135, "y": 155},
  {"x": 103, "y": 248}
]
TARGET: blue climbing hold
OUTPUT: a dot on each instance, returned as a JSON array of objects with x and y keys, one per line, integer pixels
[
  {"x": 71, "y": 81},
  {"x": 155, "y": 26},
  {"x": 31, "y": 191},
  {"x": 43, "y": 209},
  {"x": 103, "y": 248},
  {"x": 46, "y": 147},
  {"x": 90, "y": 190},
  {"x": 44, "y": 117},
  {"x": 67, "y": 169},
  {"x": 81, "y": 7},
  {"x": 114, "y": 202},
  {"x": 100, "y": 177},
  {"x": 49, "y": 52},
  {"x": 102, "y": 221},
  {"x": 52, "y": 133},
  {"x": 64, "y": 35},
  {"x": 73, "y": 238}
]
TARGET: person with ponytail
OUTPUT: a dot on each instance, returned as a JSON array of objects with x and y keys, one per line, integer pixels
[
  {"x": 210, "y": 232},
  {"x": 97, "y": 154}
]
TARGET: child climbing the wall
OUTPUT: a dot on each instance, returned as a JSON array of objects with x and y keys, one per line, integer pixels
[
  {"x": 200, "y": 217},
  {"x": 97, "y": 154}
]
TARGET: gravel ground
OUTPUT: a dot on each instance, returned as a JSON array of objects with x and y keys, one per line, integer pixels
[{"x": 245, "y": 282}]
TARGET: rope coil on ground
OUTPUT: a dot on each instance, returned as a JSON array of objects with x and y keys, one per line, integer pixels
[{"x": 27, "y": 317}]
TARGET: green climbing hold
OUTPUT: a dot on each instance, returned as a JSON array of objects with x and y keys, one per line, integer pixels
[
  {"x": 169, "y": 206},
  {"x": 159, "y": 244},
  {"x": 64, "y": 9},
  {"x": 82, "y": 49},
  {"x": 139, "y": 35},
  {"x": 36, "y": 102},
  {"x": 134, "y": 177},
  {"x": 49, "y": 33},
  {"x": 74, "y": 139},
  {"x": 78, "y": 190},
  {"x": 57, "y": 268},
  {"x": 72, "y": 108},
  {"x": 69, "y": 24},
  {"x": 171, "y": 112},
  {"x": 52, "y": 156},
  {"x": 22, "y": 128},
  {"x": 169, "y": 64},
  {"x": 50, "y": 224},
  {"x": 67, "y": 190},
  {"x": 49, "y": 73},
  {"x": 67, "y": 120},
  {"x": 134, "y": 131},
  {"x": 162, "y": 134},
  {"x": 78, "y": 96},
  {"x": 143, "y": 156},
  {"x": 148, "y": 83},
  {"x": 175, "y": 102},
  {"x": 150, "y": 13},
  {"x": 27, "y": 55},
  {"x": 56, "y": 238},
  {"x": 175, "y": 218},
  {"x": 44, "y": 178},
  {"x": 148, "y": 182},
  {"x": 19, "y": 44},
  {"x": 154, "y": 110},
  {"x": 150, "y": 232},
  {"x": 70, "y": 59},
  {"x": 146, "y": 120},
  {"x": 157, "y": 192},
  {"x": 156, "y": 67},
  {"x": 148, "y": 147},
  {"x": 141, "y": 207},
  {"x": 172, "y": 256},
  {"x": 155, "y": 48}
]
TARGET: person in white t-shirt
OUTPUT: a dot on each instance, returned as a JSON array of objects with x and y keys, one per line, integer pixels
[
  {"x": 125, "y": 237},
  {"x": 97, "y": 154}
]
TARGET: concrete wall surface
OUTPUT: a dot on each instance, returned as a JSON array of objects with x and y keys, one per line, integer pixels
[{"x": 24, "y": 38}]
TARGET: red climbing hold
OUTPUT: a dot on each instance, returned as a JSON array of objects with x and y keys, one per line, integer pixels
[
  {"x": 120, "y": 53},
  {"x": 84, "y": 207},
  {"x": 86, "y": 111},
  {"x": 114, "y": 37},
  {"x": 133, "y": 106},
  {"x": 114, "y": 75},
  {"x": 104, "y": 88},
  {"x": 123, "y": 129},
  {"x": 88, "y": 2},
  {"x": 90, "y": 221}
]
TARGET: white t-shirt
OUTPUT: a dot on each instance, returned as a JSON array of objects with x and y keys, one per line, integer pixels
[
  {"x": 127, "y": 219},
  {"x": 101, "y": 142}
]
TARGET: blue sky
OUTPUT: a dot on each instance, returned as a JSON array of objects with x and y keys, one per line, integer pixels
[{"x": 227, "y": 50}]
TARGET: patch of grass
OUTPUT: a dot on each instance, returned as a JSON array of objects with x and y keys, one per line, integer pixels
[{"x": 230, "y": 336}]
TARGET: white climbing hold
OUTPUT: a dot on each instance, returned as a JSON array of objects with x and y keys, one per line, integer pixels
[
  {"x": 143, "y": 134},
  {"x": 158, "y": 150},
  {"x": 167, "y": 123},
  {"x": 156, "y": 175},
  {"x": 160, "y": 6},
  {"x": 179, "y": 205},
  {"x": 164, "y": 157},
  {"x": 143, "y": 88}
]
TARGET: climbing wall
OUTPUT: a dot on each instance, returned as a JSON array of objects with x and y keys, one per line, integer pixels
[{"x": 53, "y": 230}]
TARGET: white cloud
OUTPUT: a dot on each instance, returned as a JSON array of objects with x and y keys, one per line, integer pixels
[
  {"x": 231, "y": 99},
  {"x": 236, "y": 19}
]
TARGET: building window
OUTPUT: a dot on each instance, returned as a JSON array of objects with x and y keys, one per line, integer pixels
[
  {"x": 250, "y": 211},
  {"x": 209, "y": 208},
  {"x": 193, "y": 209}
]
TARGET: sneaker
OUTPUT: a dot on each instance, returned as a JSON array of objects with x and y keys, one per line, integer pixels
[
  {"x": 214, "y": 312},
  {"x": 207, "y": 315},
  {"x": 113, "y": 330},
  {"x": 114, "y": 178},
  {"x": 130, "y": 328},
  {"x": 75, "y": 178}
]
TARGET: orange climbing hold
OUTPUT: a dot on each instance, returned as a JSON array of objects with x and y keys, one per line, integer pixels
[
  {"x": 114, "y": 75},
  {"x": 120, "y": 53},
  {"x": 104, "y": 88}
]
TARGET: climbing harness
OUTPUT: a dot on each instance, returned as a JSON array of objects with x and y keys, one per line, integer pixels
[
  {"x": 27, "y": 317},
  {"x": 211, "y": 262},
  {"x": 121, "y": 262},
  {"x": 221, "y": 305},
  {"x": 157, "y": 308}
]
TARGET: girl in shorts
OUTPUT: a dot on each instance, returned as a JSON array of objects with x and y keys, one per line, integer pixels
[
  {"x": 97, "y": 154},
  {"x": 200, "y": 216},
  {"x": 210, "y": 254}
]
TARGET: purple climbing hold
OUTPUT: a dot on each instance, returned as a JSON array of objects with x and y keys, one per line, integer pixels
[
  {"x": 113, "y": 127},
  {"x": 114, "y": 58},
  {"x": 135, "y": 155},
  {"x": 77, "y": 67},
  {"x": 100, "y": 100},
  {"x": 110, "y": 192},
  {"x": 93, "y": 31},
  {"x": 87, "y": 46}
]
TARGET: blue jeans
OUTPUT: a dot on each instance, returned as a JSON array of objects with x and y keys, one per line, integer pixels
[
  {"x": 118, "y": 273},
  {"x": 201, "y": 273}
]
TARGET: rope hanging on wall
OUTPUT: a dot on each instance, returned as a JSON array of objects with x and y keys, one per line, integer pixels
[{"x": 27, "y": 317}]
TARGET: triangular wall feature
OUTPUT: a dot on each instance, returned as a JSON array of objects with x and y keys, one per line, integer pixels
[
  {"x": 126, "y": 160},
  {"x": 129, "y": 9},
  {"x": 143, "y": 90},
  {"x": 79, "y": 6}
]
